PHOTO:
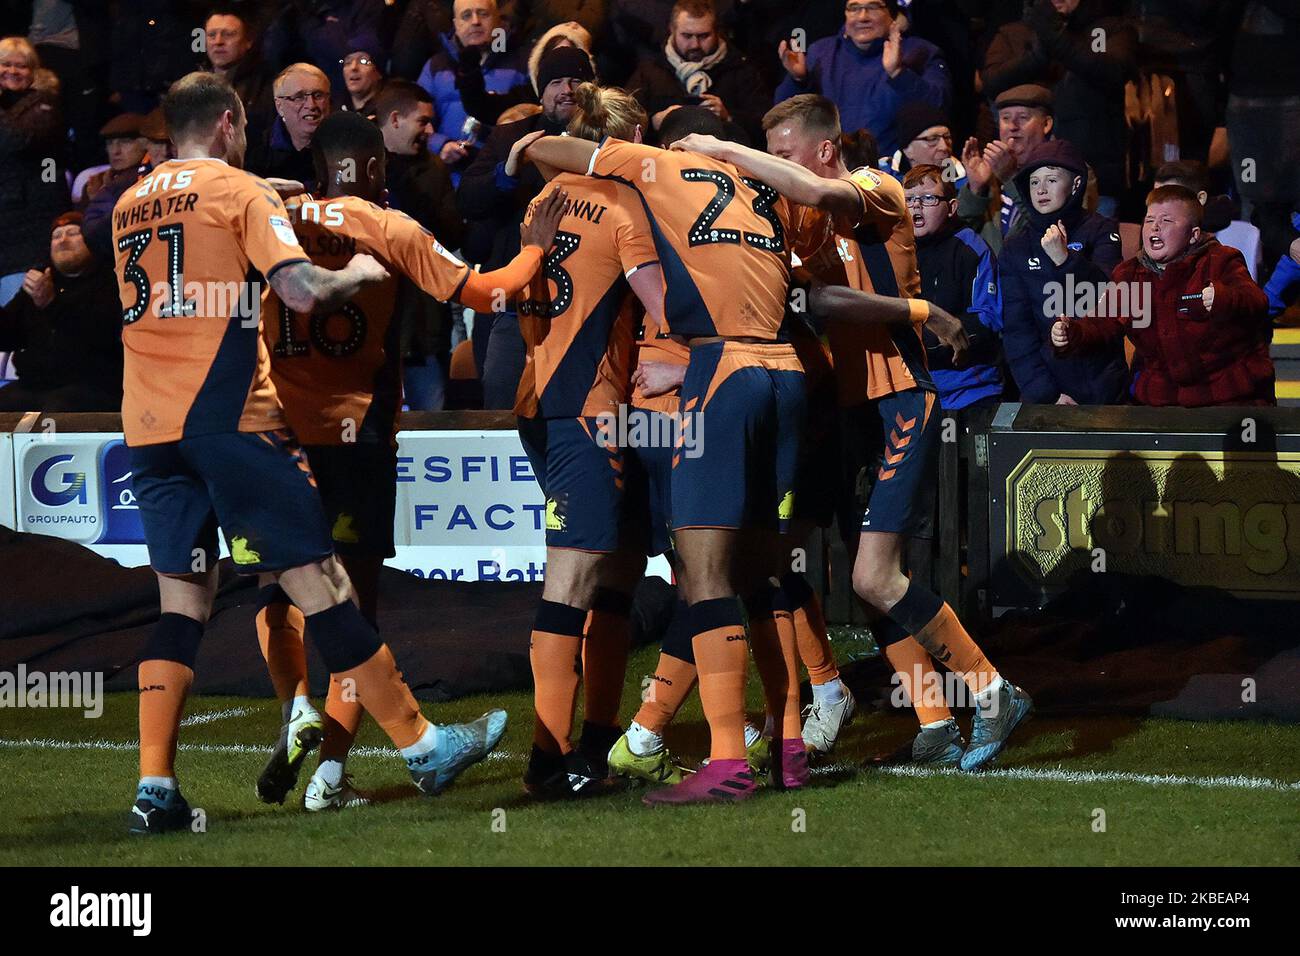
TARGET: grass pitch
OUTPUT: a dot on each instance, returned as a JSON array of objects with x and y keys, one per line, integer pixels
[{"x": 1114, "y": 792}]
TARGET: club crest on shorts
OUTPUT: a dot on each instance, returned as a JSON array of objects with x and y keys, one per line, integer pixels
[
  {"x": 557, "y": 513},
  {"x": 785, "y": 510}
]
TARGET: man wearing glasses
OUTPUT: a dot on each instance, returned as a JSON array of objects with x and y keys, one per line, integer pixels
[
  {"x": 302, "y": 101},
  {"x": 362, "y": 78},
  {"x": 925, "y": 139},
  {"x": 869, "y": 70}
]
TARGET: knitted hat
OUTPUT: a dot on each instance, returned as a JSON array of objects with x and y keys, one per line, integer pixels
[{"x": 564, "y": 62}]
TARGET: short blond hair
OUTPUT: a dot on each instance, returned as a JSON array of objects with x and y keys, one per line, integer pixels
[
  {"x": 21, "y": 46},
  {"x": 606, "y": 111}
]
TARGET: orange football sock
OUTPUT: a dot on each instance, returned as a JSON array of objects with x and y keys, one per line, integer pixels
[
  {"x": 948, "y": 641},
  {"x": 720, "y": 657},
  {"x": 164, "y": 685},
  {"x": 810, "y": 630},
  {"x": 604, "y": 657},
  {"x": 343, "y": 713},
  {"x": 669, "y": 688},
  {"x": 919, "y": 679},
  {"x": 382, "y": 692},
  {"x": 280, "y": 627},
  {"x": 555, "y": 653},
  {"x": 772, "y": 639}
]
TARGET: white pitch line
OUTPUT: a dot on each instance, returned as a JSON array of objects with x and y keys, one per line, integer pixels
[
  {"x": 194, "y": 720},
  {"x": 1010, "y": 773},
  {"x": 131, "y": 746},
  {"x": 1099, "y": 776}
]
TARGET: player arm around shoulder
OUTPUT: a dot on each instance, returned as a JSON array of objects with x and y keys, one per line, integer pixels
[
  {"x": 307, "y": 288},
  {"x": 566, "y": 153},
  {"x": 836, "y": 196}
]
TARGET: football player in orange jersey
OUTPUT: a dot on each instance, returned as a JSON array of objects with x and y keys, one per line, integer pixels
[
  {"x": 721, "y": 239},
  {"x": 210, "y": 447},
  {"x": 578, "y": 325},
  {"x": 338, "y": 375},
  {"x": 661, "y": 367},
  {"x": 895, "y": 423}
]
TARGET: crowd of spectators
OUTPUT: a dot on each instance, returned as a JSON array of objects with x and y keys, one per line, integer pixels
[{"x": 1028, "y": 134}]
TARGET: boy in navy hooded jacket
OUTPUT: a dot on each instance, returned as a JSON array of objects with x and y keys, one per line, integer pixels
[{"x": 1063, "y": 252}]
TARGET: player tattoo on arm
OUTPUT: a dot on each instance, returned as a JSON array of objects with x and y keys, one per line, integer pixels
[{"x": 306, "y": 288}]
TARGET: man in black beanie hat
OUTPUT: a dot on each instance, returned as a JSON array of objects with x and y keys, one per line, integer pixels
[{"x": 493, "y": 194}]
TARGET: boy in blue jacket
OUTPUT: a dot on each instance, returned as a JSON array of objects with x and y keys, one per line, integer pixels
[{"x": 959, "y": 272}]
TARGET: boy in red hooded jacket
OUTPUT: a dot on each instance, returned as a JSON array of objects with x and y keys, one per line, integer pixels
[{"x": 1198, "y": 322}]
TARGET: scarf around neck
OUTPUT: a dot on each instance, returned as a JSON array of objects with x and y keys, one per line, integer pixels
[{"x": 694, "y": 76}]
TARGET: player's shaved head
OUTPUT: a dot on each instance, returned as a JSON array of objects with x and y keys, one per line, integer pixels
[
  {"x": 814, "y": 113},
  {"x": 690, "y": 119},
  {"x": 343, "y": 149},
  {"x": 347, "y": 136},
  {"x": 196, "y": 102}
]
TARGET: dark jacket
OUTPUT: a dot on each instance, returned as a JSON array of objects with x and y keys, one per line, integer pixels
[
  {"x": 32, "y": 191},
  {"x": 1187, "y": 356},
  {"x": 1034, "y": 286},
  {"x": 153, "y": 45},
  {"x": 959, "y": 273},
  {"x": 323, "y": 32},
  {"x": 1089, "y": 95},
  {"x": 75, "y": 340},
  {"x": 494, "y": 203},
  {"x": 420, "y": 186},
  {"x": 254, "y": 84},
  {"x": 423, "y": 21},
  {"x": 1264, "y": 61},
  {"x": 277, "y": 158},
  {"x": 735, "y": 81}
]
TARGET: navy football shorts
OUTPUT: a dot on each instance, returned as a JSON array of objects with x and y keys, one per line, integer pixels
[
  {"x": 890, "y": 449},
  {"x": 256, "y": 486},
  {"x": 358, "y": 487},
  {"x": 742, "y": 409}
]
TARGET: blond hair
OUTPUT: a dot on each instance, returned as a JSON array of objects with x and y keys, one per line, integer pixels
[
  {"x": 575, "y": 33},
  {"x": 606, "y": 111},
  {"x": 20, "y": 46}
]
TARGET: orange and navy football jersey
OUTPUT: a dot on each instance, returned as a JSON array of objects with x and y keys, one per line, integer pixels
[
  {"x": 188, "y": 238},
  {"x": 579, "y": 319},
  {"x": 655, "y": 345},
  {"x": 338, "y": 374},
  {"x": 877, "y": 254},
  {"x": 721, "y": 238}
]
